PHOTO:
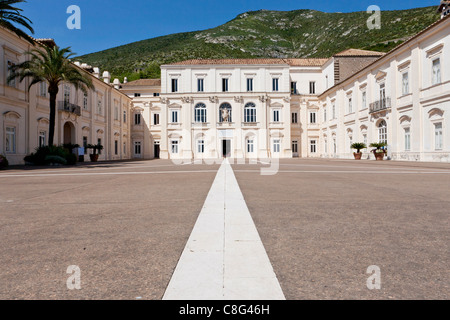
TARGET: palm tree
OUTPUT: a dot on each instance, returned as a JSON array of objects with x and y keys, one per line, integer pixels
[
  {"x": 53, "y": 66},
  {"x": 10, "y": 15}
]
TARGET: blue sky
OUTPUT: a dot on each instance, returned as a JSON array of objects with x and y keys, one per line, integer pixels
[{"x": 110, "y": 23}]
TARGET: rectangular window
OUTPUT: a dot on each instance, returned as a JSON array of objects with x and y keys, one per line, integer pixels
[
  {"x": 137, "y": 148},
  {"x": 100, "y": 106},
  {"x": 295, "y": 118},
  {"x": 116, "y": 147},
  {"x": 224, "y": 85},
  {"x": 294, "y": 146},
  {"x": 174, "y": 85},
  {"x": 364, "y": 100},
  {"x": 66, "y": 94},
  {"x": 116, "y": 112},
  {"x": 174, "y": 117},
  {"x": 10, "y": 143},
  {"x": 276, "y": 115},
  {"x": 293, "y": 87},
  {"x": 12, "y": 82},
  {"x": 312, "y": 118},
  {"x": 156, "y": 119},
  {"x": 325, "y": 145},
  {"x": 85, "y": 102},
  {"x": 124, "y": 148},
  {"x": 250, "y": 146},
  {"x": 325, "y": 113},
  {"x": 43, "y": 89},
  {"x": 365, "y": 139},
  {"x": 42, "y": 138},
  {"x": 201, "y": 146},
  {"x": 276, "y": 146},
  {"x": 383, "y": 96},
  {"x": 334, "y": 110},
  {"x": 405, "y": 83},
  {"x": 275, "y": 84},
  {"x": 174, "y": 147},
  {"x": 200, "y": 85},
  {"x": 249, "y": 85},
  {"x": 438, "y": 133},
  {"x": 350, "y": 105},
  {"x": 124, "y": 117},
  {"x": 313, "y": 145},
  {"x": 312, "y": 87},
  {"x": 85, "y": 144},
  {"x": 137, "y": 119},
  {"x": 407, "y": 139},
  {"x": 436, "y": 71}
]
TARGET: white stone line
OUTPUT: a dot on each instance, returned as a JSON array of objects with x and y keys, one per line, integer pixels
[{"x": 224, "y": 258}]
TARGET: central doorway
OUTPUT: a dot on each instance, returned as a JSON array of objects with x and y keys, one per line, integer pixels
[{"x": 226, "y": 148}]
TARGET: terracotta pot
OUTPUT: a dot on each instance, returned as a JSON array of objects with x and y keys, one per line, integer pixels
[
  {"x": 379, "y": 156},
  {"x": 94, "y": 157},
  {"x": 358, "y": 156}
]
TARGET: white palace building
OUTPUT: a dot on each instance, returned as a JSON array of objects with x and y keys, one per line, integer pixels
[
  {"x": 264, "y": 108},
  {"x": 249, "y": 108}
]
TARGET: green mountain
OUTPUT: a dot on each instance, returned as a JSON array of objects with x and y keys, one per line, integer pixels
[{"x": 265, "y": 34}]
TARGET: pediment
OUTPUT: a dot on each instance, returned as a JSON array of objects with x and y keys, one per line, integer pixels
[{"x": 380, "y": 75}]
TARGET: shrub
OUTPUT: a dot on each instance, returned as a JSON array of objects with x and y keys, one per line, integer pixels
[
  {"x": 3, "y": 162},
  {"x": 44, "y": 155},
  {"x": 55, "y": 160}
]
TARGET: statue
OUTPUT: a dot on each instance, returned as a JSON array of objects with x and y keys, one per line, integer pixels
[{"x": 225, "y": 115}]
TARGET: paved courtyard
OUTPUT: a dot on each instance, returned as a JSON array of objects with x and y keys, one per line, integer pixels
[{"x": 322, "y": 223}]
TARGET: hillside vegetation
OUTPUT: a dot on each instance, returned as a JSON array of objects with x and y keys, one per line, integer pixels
[{"x": 265, "y": 34}]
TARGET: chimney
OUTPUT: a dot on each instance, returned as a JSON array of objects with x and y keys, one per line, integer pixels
[
  {"x": 106, "y": 77},
  {"x": 96, "y": 72},
  {"x": 117, "y": 84}
]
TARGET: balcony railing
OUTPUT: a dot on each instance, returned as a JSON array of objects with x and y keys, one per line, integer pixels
[
  {"x": 69, "y": 107},
  {"x": 380, "y": 105}
]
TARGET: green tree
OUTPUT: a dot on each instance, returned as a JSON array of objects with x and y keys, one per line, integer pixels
[
  {"x": 53, "y": 66},
  {"x": 10, "y": 15}
]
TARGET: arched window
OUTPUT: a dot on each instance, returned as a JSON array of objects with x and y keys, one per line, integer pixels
[
  {"x": 225, "y": 107},
  {"x": 200, "y": 113},
  {"x": 250, "y": 113},
  {"x": 382, "y": 132}
]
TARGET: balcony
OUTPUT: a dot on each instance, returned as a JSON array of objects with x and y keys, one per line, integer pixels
[
  {"x": 69, "y": 107},
  {"x": 380, "y": 105}
]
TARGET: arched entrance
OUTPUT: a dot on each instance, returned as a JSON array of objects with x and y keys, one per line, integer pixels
[{"x": 69, "y": 133}]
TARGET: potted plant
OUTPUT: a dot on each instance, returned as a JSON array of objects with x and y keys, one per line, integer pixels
[
  {"x": 96, "y": 150},
  {"x": 358, "y": 147},
  {"x": 379, "y": 152}
]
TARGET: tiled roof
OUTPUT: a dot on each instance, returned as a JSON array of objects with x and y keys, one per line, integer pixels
[
  {"x": 317, "y": 62},
  {"x": 358, "y": 53},
  {"x": 143, "y": 82},
  {"x": 227, "y": 62},
  {"x": 292, "y": 62}
]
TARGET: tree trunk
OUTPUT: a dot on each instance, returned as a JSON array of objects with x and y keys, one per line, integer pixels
[{"x": 51, "y": 129}]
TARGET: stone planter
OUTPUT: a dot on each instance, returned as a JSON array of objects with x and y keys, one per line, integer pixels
[
  {"x": 379, "y": 156},
  {"x": 358, "y": 156},
  {"x": 94, "y": 157}
]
